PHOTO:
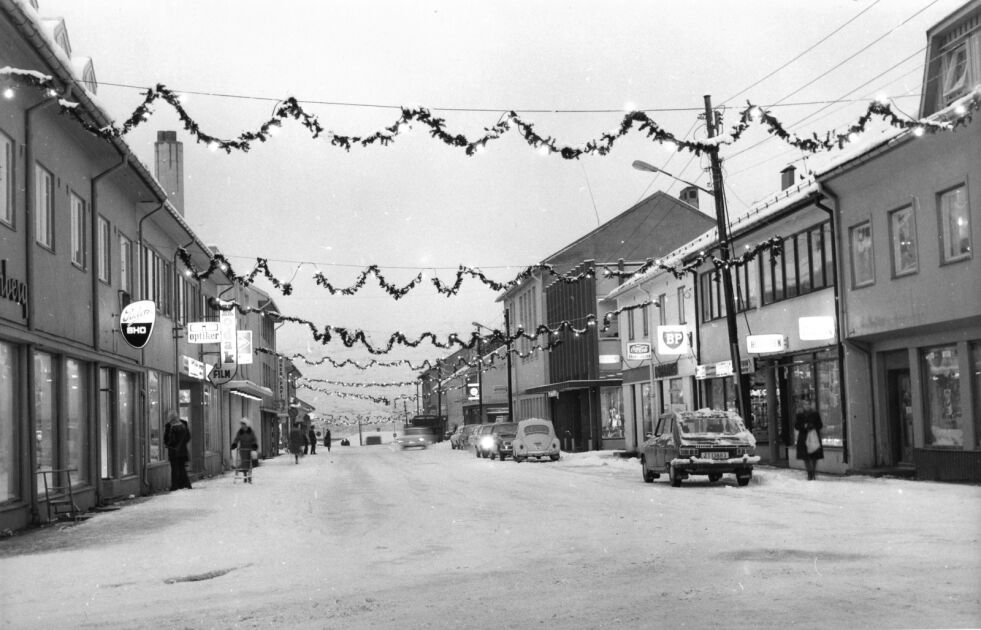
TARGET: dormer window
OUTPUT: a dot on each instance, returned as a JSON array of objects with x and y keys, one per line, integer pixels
[{"x": 955, "y": 73}]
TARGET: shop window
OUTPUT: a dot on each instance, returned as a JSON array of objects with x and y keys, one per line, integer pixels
[
  {"x": 863, "y": 262},
  {"x": 6, "y": 182},
  {"x": 829, "y": 403},
  {"x": 78, "y": 240},
  {"x": 107, "y": 454},
  {"x": 77, "y": 407},
  {"x": 43, "y": 206},
  {"x": 676, "y": 393},
  {"x": 942, "y": 397},
  {"x": 955, "y": 225},
  {"x": 902, "y": 234},
  {"x": 648, "y": 409},
  {"x": 9, "y": 421},
  {"x": 126, "y": 423},
  {"x": 45, "y": 410},
  {"x": 155, "y": 416},
  {"x": 611, "y": 399}
]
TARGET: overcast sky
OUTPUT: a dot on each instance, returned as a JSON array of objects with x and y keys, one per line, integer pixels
[{"x": 418, "y": 204}]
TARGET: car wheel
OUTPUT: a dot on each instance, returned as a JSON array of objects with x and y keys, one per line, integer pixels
[
  {"x": 501, "y": 456},
  {"x": 648, "y": 475},
  {"x": 715, "y": 477},
  {"x": 476, "y": 452},
  {"x": 517, "y": 460},
  {"x": 674, "y": 477},
  {"x": 743, "y": 480},
  {"x": 554, "y": 458}
]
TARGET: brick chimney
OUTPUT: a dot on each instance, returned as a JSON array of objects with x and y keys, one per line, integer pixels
[
  {"x": 689, "y": 194},
  {"x": 170, "y": 167},
  {"x": 788, "y": 177}
]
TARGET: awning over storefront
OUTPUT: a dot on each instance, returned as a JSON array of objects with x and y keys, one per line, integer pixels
[
  {"x": 570, "y": 385},
  {"x": 248, "y": 389}
]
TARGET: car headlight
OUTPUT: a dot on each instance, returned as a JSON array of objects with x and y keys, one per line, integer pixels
[{"x": 487, "y": 442}]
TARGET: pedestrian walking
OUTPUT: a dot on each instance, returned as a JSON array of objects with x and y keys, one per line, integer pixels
[
  {"x": 327, "y": 439},
  {"x": 247, "y": 444},
  {"x": 312, "y": 439},
  {"x": 297, "y": 440},
  {"x": 808, "y": 424},
  {"x": 176, "y": 437}
]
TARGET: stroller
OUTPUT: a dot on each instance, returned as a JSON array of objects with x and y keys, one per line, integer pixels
[{"x": 243, "y": 465}]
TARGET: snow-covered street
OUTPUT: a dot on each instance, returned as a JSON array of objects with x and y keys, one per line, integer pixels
[{"x": 375, "y": 538}]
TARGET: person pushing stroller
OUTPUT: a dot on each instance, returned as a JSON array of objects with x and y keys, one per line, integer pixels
[{"x": 248, "y": 448}]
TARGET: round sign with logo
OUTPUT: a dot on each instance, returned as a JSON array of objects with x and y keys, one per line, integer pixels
[{"x": 136, "y": 322}]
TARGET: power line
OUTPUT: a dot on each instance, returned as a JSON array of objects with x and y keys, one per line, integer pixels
[{"x": 812, "y": 47}]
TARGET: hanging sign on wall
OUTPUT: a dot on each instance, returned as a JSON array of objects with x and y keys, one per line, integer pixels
[{"x": 136, "y": 322}]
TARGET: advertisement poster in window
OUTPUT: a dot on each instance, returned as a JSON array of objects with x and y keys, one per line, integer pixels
[
  {"x": 612, "y": 409},
  {"x": 863, "y": 264},
  {"x": 903, "y": 230}
]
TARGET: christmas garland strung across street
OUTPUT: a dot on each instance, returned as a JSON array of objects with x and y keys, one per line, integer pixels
[
  {"x": 381, "y": 400},
  {"x": 356, "y": 384},
  {"x": 218, "y": 262},
  {"x": 351, "y": 338},
  {"x": 290, "y": 108}
]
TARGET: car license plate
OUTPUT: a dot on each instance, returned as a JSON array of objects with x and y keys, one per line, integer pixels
[{"x": 715, "y": 455}]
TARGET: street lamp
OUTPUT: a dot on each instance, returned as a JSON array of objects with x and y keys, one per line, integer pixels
[
  {"x": 641, "y": 165},
  {"x": 718, "y": 193}
]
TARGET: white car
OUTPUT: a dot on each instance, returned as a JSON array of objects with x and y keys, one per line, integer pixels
[{"x": 535, "y": 438}]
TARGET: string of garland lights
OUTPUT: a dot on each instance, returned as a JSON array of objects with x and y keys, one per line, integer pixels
[
  {"x": 381, "y": 400},
  {"x": 291, "y": 109},
  {"x": 351, "y": 338},
  {"x": 220, "y": 263},
  {"x": 354, "y": 384},
  {"x": 416, "y": 367}
]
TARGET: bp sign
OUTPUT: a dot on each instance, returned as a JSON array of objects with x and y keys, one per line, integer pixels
[{"x": 136, "y": 322}]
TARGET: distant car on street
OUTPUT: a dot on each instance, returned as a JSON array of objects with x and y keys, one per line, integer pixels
[
  {"x": 502, "y": 435},
  {"x": 416, "y": 437},
  {"x": 704, "y": 442},
  {"x": 483, "y": 441},
  {"x": 535, "y": 438},
  {"x": 459, "y": 437}
]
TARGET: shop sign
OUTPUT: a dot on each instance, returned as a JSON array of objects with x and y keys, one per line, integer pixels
[
  {"x": 220, "y": 374},
  {"x": 244, "y": 347},
  {"x": 723, "y": 368},
  {"x": 609, "y": 359},
  {"x": 473, "y": 391},
  {"x": 136, "y": 322},
  {"x": 818, "y": 328},
  {"x": 229, "y": 341},
  {"x": 13, "y": 289},
  {"x": 203, "y": 332},
  {"x": 192, "y": 367},
  {"x": 672, "y": 339},
  {"x": 665, "y": 370},
  {"x": 761, "y": 344},
  {"x": 638, "y": 351}
]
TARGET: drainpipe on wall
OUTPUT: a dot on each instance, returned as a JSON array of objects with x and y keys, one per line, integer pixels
[
  {"x": 94, "y": 228},
  {"x": 29, "y": 193},
  {"x": 839, "y": 309},
  {"x": 174, "y": 396}
]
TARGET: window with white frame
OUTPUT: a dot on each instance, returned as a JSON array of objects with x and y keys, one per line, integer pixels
[
  {"x": 125, "y": 264},
  {"x": 104, "y": 255},
  {"x": 6, "y": 180},
  {"x": 43, "y": 206},
  {"x": 78, "y": 230},
  {"x": 955, "y": 225}
]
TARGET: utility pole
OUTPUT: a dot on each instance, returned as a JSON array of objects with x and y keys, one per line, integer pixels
[
  {"x": 507, "y": 333},
  {"x": 439, "y": 391},
  {"x": 480, "y": 381},
  {"x": 742, "y": 386}
]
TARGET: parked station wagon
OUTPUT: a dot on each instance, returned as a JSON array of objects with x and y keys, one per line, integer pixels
[
  {"x": 535, "y": 438},
  {"x": 704, "y": 442}
]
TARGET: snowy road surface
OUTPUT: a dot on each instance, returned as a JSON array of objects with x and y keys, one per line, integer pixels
[{"x": 373, "y": 538}]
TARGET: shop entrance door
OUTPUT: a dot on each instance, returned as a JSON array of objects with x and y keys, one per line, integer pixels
[{"x": 900, "y": 409}]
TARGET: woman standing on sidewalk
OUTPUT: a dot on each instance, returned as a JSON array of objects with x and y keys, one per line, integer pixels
[
  {"x": 809, "y": 447},
  {"x": 176, "y": 437}
]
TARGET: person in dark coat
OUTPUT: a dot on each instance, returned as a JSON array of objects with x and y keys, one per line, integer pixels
[
  {"x": 312, "y": 439},
  {"x": 245, "y": 440},
  {"x": 297, "y": 441},
  {"x": 176, "y": 437},
  {"x": 327, "y": 439},
  {"x": 807, "y": 421}
]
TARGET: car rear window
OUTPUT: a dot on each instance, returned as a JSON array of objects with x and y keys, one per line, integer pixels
[
  {"x": 726, "y": 425},
  {"x": 418, "y": 431},
  {"x": 536, "y": 429}
]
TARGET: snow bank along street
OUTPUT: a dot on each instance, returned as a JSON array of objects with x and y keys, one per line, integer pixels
[{"x": 371, "y": 537}]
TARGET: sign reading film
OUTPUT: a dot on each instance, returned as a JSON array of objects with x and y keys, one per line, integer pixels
[{"x": 136, "y": 322}]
